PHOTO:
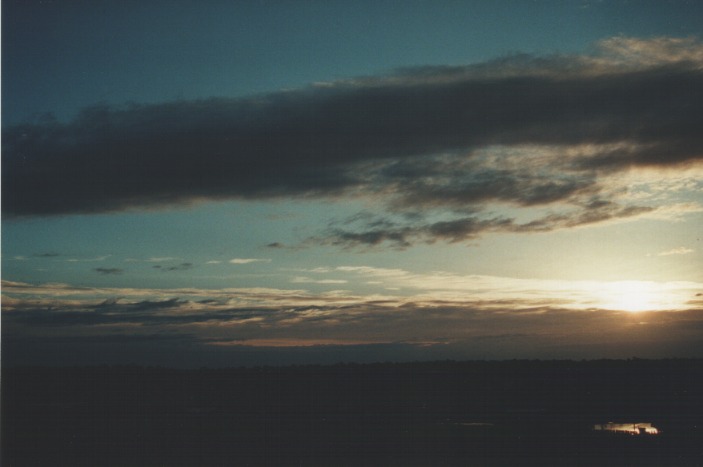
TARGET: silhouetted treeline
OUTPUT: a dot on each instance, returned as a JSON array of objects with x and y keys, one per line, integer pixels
[{"x": 434, "y": 413}]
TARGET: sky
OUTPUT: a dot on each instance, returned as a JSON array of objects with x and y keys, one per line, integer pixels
[{"x": 243, "y": 183}]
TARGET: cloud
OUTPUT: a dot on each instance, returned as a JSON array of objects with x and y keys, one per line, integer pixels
[
  {"x": 177, "y": 267},
  {"x": 420, "y": 138},
  {"x": 516, "y": 325},
  {"x": 652, "y": 52},
  {"x": 425, "y": 289},
  {"x": 481, "y": 315},
  {"x": 73, "y": 292},
  {"x": 88, "y": 260},
  {"x": 308, "y": 280},
  {"x": 108, "y": 271},
  {"x": 461, "y": 229},
  {"x": 284, "y": 342},
  {"x": 682, "y": 250},
  {"x": 159, "y": 259},
  {"x": 46, "y": 255},
  {"x": 249, "y": 260},
  {"x": 453, "y": 182}
]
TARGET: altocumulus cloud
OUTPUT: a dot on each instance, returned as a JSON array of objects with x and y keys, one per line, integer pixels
[{"x": 528, "y": 131}]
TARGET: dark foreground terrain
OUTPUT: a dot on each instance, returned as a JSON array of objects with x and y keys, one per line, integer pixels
[{"x": 434, "y": 414}]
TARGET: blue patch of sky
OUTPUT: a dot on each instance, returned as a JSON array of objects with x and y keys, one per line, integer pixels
[
  {"x": 64, "y": 56},
  {"x": 210, "y": 232}
]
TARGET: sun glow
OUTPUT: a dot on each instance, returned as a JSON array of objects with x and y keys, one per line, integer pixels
[{"x": 632, "y": 296}]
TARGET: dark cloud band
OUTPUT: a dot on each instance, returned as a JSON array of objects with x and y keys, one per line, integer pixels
[{"x": 329, "y": 140}]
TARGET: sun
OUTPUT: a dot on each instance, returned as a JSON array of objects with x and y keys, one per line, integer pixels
[{"x": 632, "y": 296}]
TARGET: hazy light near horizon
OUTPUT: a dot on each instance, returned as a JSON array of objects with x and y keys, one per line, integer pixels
[
  {"x": 637, "y": 296},
  {"x": 404, "y": 287}
]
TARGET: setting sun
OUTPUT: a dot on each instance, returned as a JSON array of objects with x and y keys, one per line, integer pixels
[{"x": 632, "y": 296}]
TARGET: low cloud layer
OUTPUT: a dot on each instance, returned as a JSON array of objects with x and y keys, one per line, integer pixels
[
  {"x": 524, "y": 131},
  {"x": 234, "y": 320}
]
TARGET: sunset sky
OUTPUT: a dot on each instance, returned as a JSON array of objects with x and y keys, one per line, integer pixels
[{"x": 225, "y": 183}]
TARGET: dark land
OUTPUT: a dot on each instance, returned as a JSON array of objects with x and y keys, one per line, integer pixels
[{"x": 433, "y": 414}]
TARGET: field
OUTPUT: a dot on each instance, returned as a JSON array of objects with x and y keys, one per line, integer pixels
[{"x": 433, "y": 414}]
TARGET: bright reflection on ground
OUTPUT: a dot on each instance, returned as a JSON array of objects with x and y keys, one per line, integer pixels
[{"x": 628, "y": 428}]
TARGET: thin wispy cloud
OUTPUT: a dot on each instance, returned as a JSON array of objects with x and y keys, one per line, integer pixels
[
  {"x": 159, "y": 259},
  {"x": 109, "y": 271},
  {"x": 176, "y": 267},
  {"x": 46, "y": 255},
  {"x": 682, "y": 250},
  {"x": 402, "y": 233},
  {"x": 88, "y": 260},
  {"x": 309, "y": 280},
  {"x": 249, "y": 260}
]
